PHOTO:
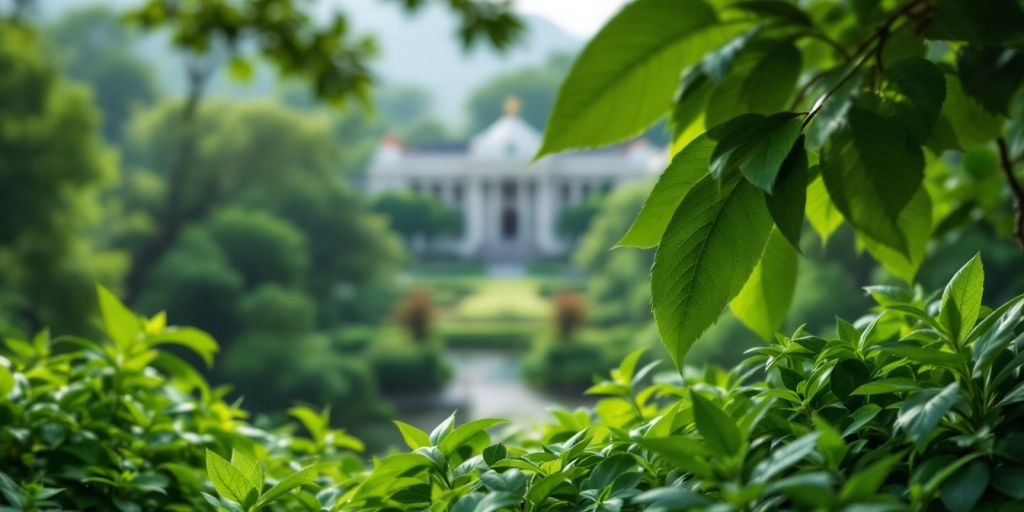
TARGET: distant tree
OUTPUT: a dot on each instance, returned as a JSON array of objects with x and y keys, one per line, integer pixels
[
  {"x": 260, "y": 247},
  {"x": 52, "y": 166},
  {"x": 263, "y": 157},
  {"x": 415, "y": 215},
  {"x": 94, "y": 47},
  {"x": 281, "y": 32},
  {"x": 575, "y": 220},
  {"x": 536, "y": 88}
]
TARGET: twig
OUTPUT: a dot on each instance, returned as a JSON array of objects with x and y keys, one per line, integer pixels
[
  {"x": 1015, "y": 189},
  {"x": 864, "y": 51}
]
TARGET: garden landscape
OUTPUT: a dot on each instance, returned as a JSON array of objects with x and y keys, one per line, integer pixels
[{"x": 511, "y": 255}]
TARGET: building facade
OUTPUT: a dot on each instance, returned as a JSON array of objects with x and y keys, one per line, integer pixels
[{"x": 510, "y": 206}]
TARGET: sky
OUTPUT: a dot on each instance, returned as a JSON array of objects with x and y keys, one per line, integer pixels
[{"x": 579, "y": 17}]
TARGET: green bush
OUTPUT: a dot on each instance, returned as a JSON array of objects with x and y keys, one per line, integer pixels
[
  {"x": 917, "y": 406},
  {"x": 122, "y": 424},
  {"x": 404, "y": 366},
  {"x": 498, "y": 336}
]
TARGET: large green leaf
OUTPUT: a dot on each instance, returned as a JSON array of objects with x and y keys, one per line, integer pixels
[
  {"x": 961, "y": 492},
  {"x": 872, "y": 167},
  {"x": 686, "y": 168},
  {"x": 763, "y": 302},
  {"x": 625, "y": 78},
  {"x": 971, "y": 123},
  {"x": 991, "y": 74},
  {"x": 761, "y": 81},
  {"x": 756, "y": 145},
  {"x": 788, "y": 201},
  {"x": 921, "y": 412},
  {"x": 916, "y": 92},
  {"x": 711, "y": 246},
  {"x": 720, "y": 432},
  {"x": 229, "y": 482},
  {"x": 979, "y": 21},
  {"x": 916, "y": 222},
  {"x": 823, "y": 215},
  {"x": 961, "y": 300},
  {"x": 866, "y": 482},
  {"x": 120, "y": 323}
]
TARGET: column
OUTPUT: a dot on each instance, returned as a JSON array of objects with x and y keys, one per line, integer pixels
[
  {"x": 546, "y": 208},
  {"x": 473, "y": 217}
]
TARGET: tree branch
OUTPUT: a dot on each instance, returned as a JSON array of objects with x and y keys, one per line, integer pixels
[{"x": 1015, "y": 189}]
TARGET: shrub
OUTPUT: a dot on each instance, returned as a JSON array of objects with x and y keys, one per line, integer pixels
[
  {"x": 570, "y": 313},
  {"x": 566, "y": 365},
  {"x": 122, "y": 424},
  {"x": 416, "y": 314},
  {"x": 404, "y": 367},
  {"x": 490, "y": 335}
]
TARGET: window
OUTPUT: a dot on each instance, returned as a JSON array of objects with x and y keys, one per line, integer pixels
[{"x": 509, "y": 224}]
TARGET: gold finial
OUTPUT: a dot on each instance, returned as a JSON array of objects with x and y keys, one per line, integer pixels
[{"x": 512, "y": 106}]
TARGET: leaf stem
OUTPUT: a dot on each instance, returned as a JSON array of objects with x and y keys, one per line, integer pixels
[{"x": 1016, "y": 189}]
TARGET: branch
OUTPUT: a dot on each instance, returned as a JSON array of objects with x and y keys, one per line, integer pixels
[
  {"x": 1016, "y": 190},
  {"x": 864, "y": 51}
]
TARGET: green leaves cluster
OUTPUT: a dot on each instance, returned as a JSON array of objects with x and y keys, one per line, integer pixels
[
  {"x": 899, "y": 412},
  {"x": 837, "y": 114}
]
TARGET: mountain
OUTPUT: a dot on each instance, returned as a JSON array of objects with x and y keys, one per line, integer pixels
[{"x": 420, "y": 49}]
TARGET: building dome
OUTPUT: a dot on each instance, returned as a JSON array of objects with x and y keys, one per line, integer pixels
[{"x": 509, "y": 138}]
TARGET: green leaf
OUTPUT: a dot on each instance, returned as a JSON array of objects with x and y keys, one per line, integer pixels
[
  {"x": 720, "y": 432},
  {"x": 866, "y": 482},
  {"x": 888, "y": 385},
  {"x": 915, "y": 222},
  {"x": 464, "y": 433},
  {"x": 823, "y": 215},
  {"x": 917, "y": 90},
  {"x": 764, "y": 300},
  {"x": 921, "y": 412},
  {"x": 962, "y": 492},
  {"x": 789, "y": 200},
  {"x": 761, "y": 81},
  {"x": 785, "y": 457},
  {"x": 228, "y": 480},
  {"x": 711, "y": 246},
  {"x": 961, "y": 300},
  {"x": 250, "y": 468},
  {"x": 872, "y": 168},
  {"x": 991, "y": 74},
  {"x": 758, "y": 148},
  {"x": 120, "y": 323},
  {"x": 6, "y": 381},
  {"x": 442, "y": 430},
  {"x": 972, "y": 124},
  {"x": 682, "y": 453},
  {"x": 625, "y": 78},
  {"x": 978, "y": 21},
  {"x": 779, "y": 9},
  {"x": 686, "y": 169},
  {"x": 923, "y": 355},
  {"x": 299, "y": 478},
  {"x": 189, "y": 337},
  {"x": 543, "y": 488},
  {"x": 846, "y": 376},
  {"x": 861, "y": 417},
  {"x": 414, "y": 437}
]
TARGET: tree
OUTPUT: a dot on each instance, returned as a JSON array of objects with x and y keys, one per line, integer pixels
[
  {"x": 271, "y": 184},
  {"x": 418, "y": 216},
  {"x": 575, "y": 220},
  {"x": 852, "y": 114},
  {"x": 52, "y": 167},
  {"x": 281, "y": 32},
  {"x": 535, "y": 87},
  {"x": 95, "y": 48}
]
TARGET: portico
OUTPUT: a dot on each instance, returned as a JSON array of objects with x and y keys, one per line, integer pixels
[{"x": 510, "y": 208}]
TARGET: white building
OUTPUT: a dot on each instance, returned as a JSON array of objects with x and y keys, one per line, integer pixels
[{"x": 510, "y": 207}]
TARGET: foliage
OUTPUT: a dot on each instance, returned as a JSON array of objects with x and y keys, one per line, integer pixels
[
  {"x": 849, "y": 113},
  {"x": 417, "y": 216},
  {"x": 94, "y": 47},
  {"x": 897, "y": 413},
  {"x": 122, "y": 423},
  {"x": 535, "y": 88},
  {"x": 574, "y": 221},
  {"x": 490, "y": 335},
  {"x": 52, "y": 169}
]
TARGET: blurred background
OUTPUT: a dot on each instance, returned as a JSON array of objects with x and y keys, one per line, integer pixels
[{"x": 368, "y": 234}]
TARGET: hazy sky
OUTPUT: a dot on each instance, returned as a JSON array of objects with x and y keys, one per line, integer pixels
[{"x": 579, "y": 17}]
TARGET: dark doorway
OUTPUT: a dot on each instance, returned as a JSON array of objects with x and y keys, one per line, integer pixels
[{"x": 509, "y": 224}]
